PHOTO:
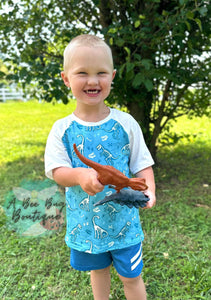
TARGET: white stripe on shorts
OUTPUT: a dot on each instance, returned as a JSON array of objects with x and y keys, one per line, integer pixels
[{"x": 134, "y": 258}]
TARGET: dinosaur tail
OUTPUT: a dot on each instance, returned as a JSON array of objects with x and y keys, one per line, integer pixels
[
  {"x": 85, "y": 160},
  {"x": 138, "y": 184}
]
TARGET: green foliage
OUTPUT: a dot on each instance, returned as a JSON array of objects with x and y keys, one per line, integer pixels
[
  {"x": 176, "y": 250},
  {"x": 159, "y": 46}
]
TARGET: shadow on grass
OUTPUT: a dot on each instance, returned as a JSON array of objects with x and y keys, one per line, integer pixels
[
  {"x": 184, "y": 164},
  {"x": 184, "y": 171}
]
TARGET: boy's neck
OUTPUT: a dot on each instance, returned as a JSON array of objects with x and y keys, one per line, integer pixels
[{"x": 92, "y": 114}]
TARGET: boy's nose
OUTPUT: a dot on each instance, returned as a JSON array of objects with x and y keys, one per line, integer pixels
[{"x": 93, "y": 80}]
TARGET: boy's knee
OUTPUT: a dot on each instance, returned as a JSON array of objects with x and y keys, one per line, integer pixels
[
  {"x": 134, "y": 288},
  {"x": 130, "y": 281},
  {"x": 101, "y": 271}
]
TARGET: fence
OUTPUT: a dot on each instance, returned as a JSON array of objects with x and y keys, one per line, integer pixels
[{"x": 11, "y": 93}]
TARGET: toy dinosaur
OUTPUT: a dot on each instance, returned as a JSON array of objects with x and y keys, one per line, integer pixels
[
  {"x": 126, "y": 197},
  {"x": 108, "y": 175}
]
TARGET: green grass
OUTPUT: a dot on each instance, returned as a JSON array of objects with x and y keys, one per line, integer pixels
[
  {"x": 177, "y": 230},
  {"x": 24, "y": 128}
]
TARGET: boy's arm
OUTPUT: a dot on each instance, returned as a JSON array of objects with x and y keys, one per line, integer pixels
[
  {"x": 86, "y": 178},
  {"x": 150, "y": 181}
]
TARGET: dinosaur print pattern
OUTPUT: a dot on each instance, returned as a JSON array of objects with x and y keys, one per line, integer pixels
[
  {"x": 111, "y": 226},
  {"x": 84, "y": 204},
  {"x": 75, "y": 232},
  {"x": 108, "y": 156},
  {"x": 112, "y": 211},
  {"x": 125, "y": 150},
  {"x": 115, "y": 130},
  {"x": 80, "y": 146},
  {"x": 100, "y": 233},
  {"x": 90, "y": 249},
  {"x": 122, "y": 234},
  {"x": 96, "y": 228}
]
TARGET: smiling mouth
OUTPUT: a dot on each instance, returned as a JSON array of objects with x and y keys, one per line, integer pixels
[{"x": 92, "y": 92}]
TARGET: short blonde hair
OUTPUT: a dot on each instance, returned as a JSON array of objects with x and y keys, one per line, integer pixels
[{"x": 84, "y": 40}]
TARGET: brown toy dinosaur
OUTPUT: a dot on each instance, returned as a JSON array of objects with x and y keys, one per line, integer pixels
[{"x": 108, "y": 175}]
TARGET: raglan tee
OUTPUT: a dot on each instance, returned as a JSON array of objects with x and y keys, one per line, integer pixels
[{"x": 117, "y": 141}]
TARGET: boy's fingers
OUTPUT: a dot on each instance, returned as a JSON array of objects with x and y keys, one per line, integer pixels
[
  {"x": 95, "y": 188},
  {"x": 94, "y": 192},
  {"x": 98, "y": 187},
  {"x": 91, "y": 194},
  {"x": 150, "y": 203}
]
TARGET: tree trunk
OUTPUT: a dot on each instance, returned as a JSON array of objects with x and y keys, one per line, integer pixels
[
  {"x": 140, "y": 109},
  {"x": 152, "y": 145}
]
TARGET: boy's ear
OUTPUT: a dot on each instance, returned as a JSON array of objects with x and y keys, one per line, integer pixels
[
  {"x": 114, "y": 73},
  {"x": 65, "y": 79}
]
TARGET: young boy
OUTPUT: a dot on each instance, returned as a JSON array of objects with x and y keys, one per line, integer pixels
[{"x": 111, "y": 233}]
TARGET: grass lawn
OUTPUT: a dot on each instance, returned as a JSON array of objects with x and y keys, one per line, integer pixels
[{"x": 177, "y": 260}]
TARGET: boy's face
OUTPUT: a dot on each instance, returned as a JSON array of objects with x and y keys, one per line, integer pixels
[{"x": 90, "y": 74}]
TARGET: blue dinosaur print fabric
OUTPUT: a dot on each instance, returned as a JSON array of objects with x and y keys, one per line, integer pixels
[{"x": 116, "y": 141}]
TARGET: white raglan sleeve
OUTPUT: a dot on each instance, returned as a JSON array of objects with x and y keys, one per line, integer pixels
[
  {"x": 140, "y": 157},
  {"x": 55, "y": 152}
]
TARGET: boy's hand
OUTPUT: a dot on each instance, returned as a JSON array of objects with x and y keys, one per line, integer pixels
[
  {"x": 86, "y": 178},
  {"x": 152, "y": 199},
  {"x": 89, "y": 182},
  {"x": 150, "y": 182}
]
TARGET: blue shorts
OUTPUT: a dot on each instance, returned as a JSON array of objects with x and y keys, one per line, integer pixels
[{"x": 127, "y": 261}]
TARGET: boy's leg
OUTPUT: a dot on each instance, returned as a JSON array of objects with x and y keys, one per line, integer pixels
[
  {"x": 100, "y": 281},
  {"x": 100, "y": 274},
  {"x": 134, "y": 288},
  {"x": 128, "y": 263}
]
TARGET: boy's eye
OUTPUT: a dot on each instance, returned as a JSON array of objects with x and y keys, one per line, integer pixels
[
  {"x": 102, "y": 73},
  {"x": 82, "y": 73}
]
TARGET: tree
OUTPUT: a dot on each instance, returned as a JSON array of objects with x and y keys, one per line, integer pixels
[{"x": 160, "y": 52}]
